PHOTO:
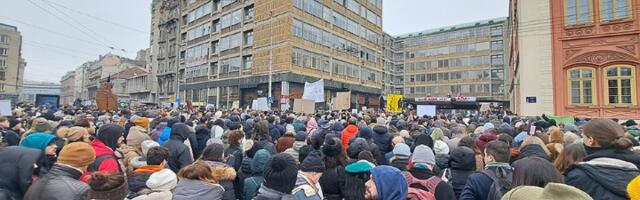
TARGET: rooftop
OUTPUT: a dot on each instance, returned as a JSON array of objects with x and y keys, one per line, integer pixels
[
  {"x": 7, "y": 27},
  {"x": 453, "y": 27}
]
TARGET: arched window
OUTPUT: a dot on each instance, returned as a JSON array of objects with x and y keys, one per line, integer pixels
[
  {"x": 578, "y": 12},
  {"x": 615, "y": 9},
  {"x": 581, "y": 86},
  {"x": 620, "y": 85}
]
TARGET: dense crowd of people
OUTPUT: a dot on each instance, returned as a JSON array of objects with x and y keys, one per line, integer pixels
[{"x": 157, "y": 154}]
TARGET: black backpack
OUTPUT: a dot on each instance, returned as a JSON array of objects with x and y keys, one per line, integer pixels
[
  {"x": 501, "y": 185},
  {"x": 95, "y": 166}
]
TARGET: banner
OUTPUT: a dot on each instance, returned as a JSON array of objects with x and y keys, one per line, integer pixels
[
  {"x": 5, "y": 108},
  {"x": 394, "y": 103},
  {"x": 485, "y": 107},
  {"x": 428, "y": 110},
  {"x": 314, "y": 91},
  {"x": 304, "y": 106},
  {"x": 342, "y": 101},
  {"x": 563, "y": 119},
  {"x": 262, "y": 104},
  {"x": 235, "y": 104}
]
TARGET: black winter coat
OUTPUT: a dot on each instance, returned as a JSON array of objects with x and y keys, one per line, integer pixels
[
  {"x": 531, "y": 150},
  {"x": 202, "y": 135},
  {"x": 463, "y": 164},
  {"x": 382, "y": 139},
  {"x": 16, "y": 170},
  {"x": 605, "y": 174},
  {"x": 61, "y": 183},
  {"x": 332, "y": 182},
  {"x": 178, "y": 151}
]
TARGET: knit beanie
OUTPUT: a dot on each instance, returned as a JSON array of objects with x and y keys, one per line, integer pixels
[
  {"x": 313, "y": 163},
  {"x": 423, "y": 154},
  {"x": 146, "y": 145},
  {"x": 280, "y": 173},
  {"x": 440, "y": 147},
  {"x": 332, "y": 147},
  {"x": 103, "y": 186},
  {"x": 366, "y": 155},
  {"x": 142, "y": 122},
  {"x": 41, "y": 125},
  {"x": 488, "y": 126},
  {"x": 634, "y": 188},
  {"x": 301, "y": 136},
  {"x": 550, "y": 192},
  {"x": 437, "y": 134},
  {"x": 366, "y": 133},
  {"x": 77, "y": 154},
  {"x": 570, "y": 138},
  {"x": 359, "y": 167},
  {"x": 484, "y": 139},
  {"x": 163, "y": 180},
  {"x": 381, "y": 121},
  {"x": 37, "y": 141},
  {"x": 136, "y": 137},
  {"x": 72, "y": 134},
  {"x": 13, "y": 122},
  {"x": 390, "y": 182},
  {"x": 357, "y": 145},
  {"x": 401, "y": 151}
]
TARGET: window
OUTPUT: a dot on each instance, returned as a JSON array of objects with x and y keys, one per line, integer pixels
[
  {"x": 615, "y": 9},
  {"x": 581, "y": 86},
  {"x": 497, "y": 59},
  {"x": 2, "y": 76},
  {"x": 4, "y": 39},
  {"x": 3, "y": 51},
  {"x": 231, "y": 19},
  {"x": 216, "y": 26},
  {"x": 198, "y": 31},
  {"x": 230, "y": 65},
  {"x": 215, "y": 46},
  {"x": 620, "y": 85},
  {"x": 200, "y": 12},
  {"x": 248, "y": 38},
  {"x": 497, "y": 45},
  {"x": 230, "y": 42},
  {"x": 248, "y": 13},
  {"x": 224, "y": 3},
  {"x": 247, "y": 62},
  {"x": 577, "y": 12}
]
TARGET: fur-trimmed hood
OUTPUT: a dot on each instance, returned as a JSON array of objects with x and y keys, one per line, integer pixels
[{"x": 222, "y": 171}]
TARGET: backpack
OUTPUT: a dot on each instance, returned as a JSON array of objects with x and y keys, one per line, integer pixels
[
  {"x": 500, "y": 186},
  {"x": 419, "y": 194},
  {"x": 95, "y": 166}
]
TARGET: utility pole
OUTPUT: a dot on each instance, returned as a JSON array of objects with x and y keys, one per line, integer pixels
[{"x": 270, "y": 52}]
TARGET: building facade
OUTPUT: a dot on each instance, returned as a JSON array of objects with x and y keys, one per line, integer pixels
[
  {"x": 67, "y": 94},
  {"x": 165, "y": 29},
  {"x": 460, "y": 60},
  {"x": 11, "y": 63},
  {"x": 228, "y": 48},
  {"x": 595, "y": 58},
  {"x": 529, "y": 57},
  {"x": 33, "y": 88}
]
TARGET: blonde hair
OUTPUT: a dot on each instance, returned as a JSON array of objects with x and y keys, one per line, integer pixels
[{"x": 537, "y": 141}]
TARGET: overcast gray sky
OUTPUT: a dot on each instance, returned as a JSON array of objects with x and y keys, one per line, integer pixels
[{"x": 54, "y": 45}]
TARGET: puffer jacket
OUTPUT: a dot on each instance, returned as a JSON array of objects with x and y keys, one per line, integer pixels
[
  {"x": 265, "y": 193},
  {"x": 16, "y": 170},
  {"x": 225, "y": 175},
  {"x": 605, "y": 173},
  {"x": 295, "y": 150},
  {"x": 180, "y": 155},
  {"x": 347, "y": 134},
  {"x": 462, "y": 165},
  {"x": 382, "y": 139},
  {"x": 61, "y": 183},
  {"x": 194, "y": 189}
]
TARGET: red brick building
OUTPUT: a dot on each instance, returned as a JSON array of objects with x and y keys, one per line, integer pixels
[{"x": 595, "y": 57}]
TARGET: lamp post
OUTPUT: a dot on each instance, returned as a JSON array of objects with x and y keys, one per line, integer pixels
[{"x": 270, "y": 53}]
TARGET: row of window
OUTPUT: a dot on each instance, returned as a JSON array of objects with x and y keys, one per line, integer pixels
[
  {"x": 461, "y": 75},
  {"x": 323, "y": 12},
  {"x": 201, "y": 11},
  {"x": 199, "y": 31},
  {"x": 461, "y": 48},
  {"x": 231, "y": 19},
  {"x": 453, "y": 62},
  {"x": 4, "y": 39},
  {"x": 312, "y": 60},
  {"x": 579, "y": 12},
  {"x": 619, "y": 85},
  {"x": 231, "y": 41},
  {"x": 453, "y": 35},
  {"x": 452, "y": 89},
  {"x": 355, "y": 7},
  {"x": 319, "y": 36}
]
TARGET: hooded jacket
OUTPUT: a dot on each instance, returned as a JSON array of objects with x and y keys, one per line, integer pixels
[
  {"x": 390, "y": 183},
  {"x": 202, "y": 135},
  {"x": 347, "y": 134},
  {"x": 109, "y": 164},
  {"x": 382, "y": 139},
  {"x": 16, "y": 170},
  {"x": 252, "y": 184},
  {"x": 463, "y": 164},
  {"x": 194, "y": 189},
  {"x": 478, "y": 184},
  {"x": 180, "y": 155},
  {"x": 295, "y": 150},
  {"x": 61, "y": 183},
  {"x": 265, "y": 193},
  {"x": 605, "y": 173},
  {"x": 531, "y": 150},
  {"x": 225, "y": 175}
]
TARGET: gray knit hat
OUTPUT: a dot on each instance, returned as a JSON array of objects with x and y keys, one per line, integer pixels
[{"x": 423, "y": 154}]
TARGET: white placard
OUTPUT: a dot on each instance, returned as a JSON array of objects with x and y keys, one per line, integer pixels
[
  {"x": 262, "y": 104},
  {"x": 254, "y": 104},
  {"x": 314, "y": 91},
  {"x": 5, "y": 108},
  {"x": 354, "y": 111},
  {"x": 429, "y": 110}
]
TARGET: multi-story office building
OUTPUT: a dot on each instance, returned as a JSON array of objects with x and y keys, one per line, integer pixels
[
  {"x": 68, "y": 84},
  {"x": 11, "y": 63},
  {"x": 460, "y": 60},
  {"x": 229, "y": 48},
  {"x": 165, "y": 26},
  {"x": 393, "y": 65}
]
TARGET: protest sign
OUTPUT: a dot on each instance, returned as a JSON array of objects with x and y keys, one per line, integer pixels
[
  {"x": 262, "y": 104},
  {"x": 304, "y": 106},
  {"x": 428, "y": 110},
  {"x": 5, "y": 107},
  {"x": 342, "y": 101},
  {"x": 314, "y": 91},
  {"x": 394, "y": 103}
]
